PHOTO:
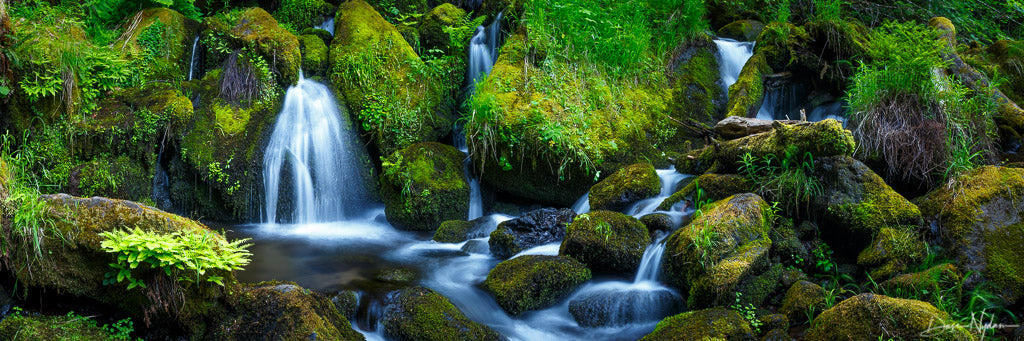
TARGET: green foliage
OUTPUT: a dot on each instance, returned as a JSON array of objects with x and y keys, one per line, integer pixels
[
  {"x": 185, "y": 256},
  {"x": 459, "y": 35},
  {"x": 110, "y": 13},
  {"x": 749, "y": 313},
  {"x": 31, "y": 224},
  {"x": 70, "y": 327},
  {"x": 979, "y": 20},
  {"x": 828, "y": 10},
  {"x": 788, "y": 180},
  {"x": 301, "y": 14}
]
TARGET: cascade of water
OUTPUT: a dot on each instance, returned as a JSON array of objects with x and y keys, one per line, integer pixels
[
  {"x": 194, "y": 59},
  {"x": 483, "y": 51},
  {"x": 669, "y": 181},
  {"x": 312, "y": 154},
  {"x": 582, "y": 205},
  {"x": 732, "y": 56},
  {"x": 476, "y": 202},
  {"x": 161, "y": 184},
  {"x": 327, "y": 25},
  {"x": 834, "y": 110}
]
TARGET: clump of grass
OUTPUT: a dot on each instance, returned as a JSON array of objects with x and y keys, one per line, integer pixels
[{"x": 788, "y": 180}]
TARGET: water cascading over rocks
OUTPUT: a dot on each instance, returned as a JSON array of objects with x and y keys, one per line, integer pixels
[{"x": 311, "y": 168}]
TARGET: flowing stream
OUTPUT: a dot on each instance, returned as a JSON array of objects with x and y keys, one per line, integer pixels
[{"x": 732, "y": 56}]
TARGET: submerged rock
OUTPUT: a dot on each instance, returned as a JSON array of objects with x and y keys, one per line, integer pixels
[
  {"x": 534, "y": 228},
  {"x": 605, "y": 308},
  {"x": 284, "y": 311},
  {"x": 707, "y": 324},
  {"x": 419, "y": 313},
  {"x": 870, "y": 316},
  {"x": 534, "y": 282},
  {"x": 630, "y": 184},
  {"x": 423, "y": 185},
  {"x": 980, "y": 218},
  {"x": 606, "y": 241}
]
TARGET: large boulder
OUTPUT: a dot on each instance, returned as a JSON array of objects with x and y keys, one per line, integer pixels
[
  {"x": 383, "y": 80},
  {"x": 870, "y": 316},
  {"x": 432, "y": 30},
  {"x": 419, "y": 313},
  {"x": 630, "y": 184},
  {"x": 747, "y": 94},
  {"x": 892, "y": 251},
  {"x": 535, "y": 228},
  {"x": 162, "y": 38},
  {"x": 278, "y": 47},
  {"x": 980, "y": 218},
  {"x": 728, "y": 244},
  {"x": 282, "y": 311},
  {"x": 423, "y": 185},
  {"x": 314, "y": 55},
  {"x": 606, "y": 241},
  {"x": 534, "y": 282},
  {"x": 707, "y": 324},
  {"x": 696, "y": 83}
]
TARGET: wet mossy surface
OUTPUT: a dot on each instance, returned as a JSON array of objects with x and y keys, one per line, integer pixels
[
  {"x": 606, "y": 241},
  {"x": 742, "y": 30},
  {"x": 534, "y": 282},
  {"x": 712, "y": 187},
  {"x": 630, "y": 184},
  {"x": 707, "y": 324},
  {"x": 423, "y": 185},
  {"x": 40, "y": 328},
  {"x": 453, "y": 231},
  {"x": 282, "y": 310},
  {"x": 868, "y": 316},
  {"x": 801, "y": 299},
  {"x": 419, "y": 313},
  {"x": 892, "y": 251}
]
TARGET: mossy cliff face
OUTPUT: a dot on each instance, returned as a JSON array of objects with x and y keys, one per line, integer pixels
[
  {"x": 630, "y": 184},
  {"x": 869, "y": 316},
  {"x": 393, "y": 95},
  {"x": 726, "y": 245},
  {"x": 534, "y": 282},
  {"x": 74, "y": 263},
  {"x": 423, "y": 185},
  {"x": 606, "y": 241},
  {"x": 281, "y": 311},
  {"x": 419, "y": 313},
  {"x": 981, "y": 221},
  {"x": 707, "y": 324},
  {"x": 821, "y": 139}
]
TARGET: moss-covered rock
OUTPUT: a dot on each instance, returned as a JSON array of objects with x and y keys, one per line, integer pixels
[
  {"x": 747, "y": 94},
  {"x": 40, "y": 327},
  {"x": 892, "y": 251},
  {"x": 606, "y": 241},
  {"x": 105, "y": 176},
  {"x": 432, "y": 30},
  {"x": 282, "y": 311},
  {"x": 314, "y": 55},
  {"x": 419, "y": 313},
  {"x": 658, "y": 223},
  {"x": 707, "y": 324},
  {"x": 1008, "y": 56},
  {"x": 821, "y": 139},
  {"x": 347, "y": 303},
  {"x": 696, "y": 84},
  {"x": 742, "y": 30},
  {"x": 711, "y": 186},
  {"x": 534, "y": 282},
  {"x": 300, "y": 14},
  {"x": 453, "y": 231},
  {"x": 801, "y": 299},
  {"x": 534, "y": 228},
  {"x": 931, "y": 285},
  {"x": 423, "y": 185},
  {"x": 717, "y": 251},
  {"x": 870, "y": 316},
  {"x": 858, "y": 204},
  {"x": 257, "y": 31},
  {"x": 391, "y": 92},
  {"x": 76, "y": 264},
  {"x": 981, "y": 221},
  {"x": 162, "y": 38},
  {"x": 630, "y": 184}
]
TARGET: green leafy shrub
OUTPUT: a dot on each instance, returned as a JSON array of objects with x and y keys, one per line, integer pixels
[
  {"x": 185, "y": 256},
  {"x": 301, "y": 14}
]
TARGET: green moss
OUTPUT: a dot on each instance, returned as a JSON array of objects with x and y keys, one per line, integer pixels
[
  {"x": 112, "y": 177},
  {"x": 707, "y": 324},
  {"x": 630, "y": 184},
  {"x": 743, "y": 30},
  {"x": 423, "y": 185},
  {"x": 314, "y": 55},
  {"x": 432, "y": 31},
  {"x": 606, "y": 241},
  {"x": 299, "y": 14},
  {"x": 453, "y": 231},
  {"x": 696, "y": 92},
  {"x": 419, "y": 313},
  {"x": 801, "y": 299},
  {"x": 228, "y": 119},
  {"x": 717, "y": 285},
  {"x": 892, "y": 251},
  {"x": 69, "y": 327},
  {"x": 713, "y": 187},
  {"x": 1008, "y": 57},
  {"x": 277, "y": 45},
  {"x": 932, "y": 285},
  {"x": 781, "y": 44},
  {"x": 282, "y": 310},
  {"x": 534, "y": 282},
  {"x": 746, "y": 95},
  {"x": 869, "y": 316},
  {"x": 168, "y": 54}
]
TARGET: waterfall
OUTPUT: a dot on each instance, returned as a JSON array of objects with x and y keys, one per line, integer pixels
[
  {"x": 732, "y": 56},
  {"x": 582, "y": 205},
  {"x": 476, "y": 201},
  {"x": 194, "y": 59},
  {"x": 483, "y": 51},
  {"x": 312, "y": 153},
  {"x": 669, "y": 181},
  {"x": 650, "y": 264},
  {"x": 327, "y": 25}
]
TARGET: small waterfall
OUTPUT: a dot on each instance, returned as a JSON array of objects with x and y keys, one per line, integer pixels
[
  {"x": 476, "y": 201},
  {"x": 161, "y": 184},
  {"x": 650, "y": 264},
  {"x": 834, "y": 110},
  {"x": 669, "y": 181},
  {"x": 782, "y": 100},
  {"x": 194, "y": 59},
  {"x": 582, "y": 205},
  {"x": 483, "y": 51},
  {"x": 312, "y": 154},
  {"x": 732, "y": 56},
  {"x": 327, "y": 25}
]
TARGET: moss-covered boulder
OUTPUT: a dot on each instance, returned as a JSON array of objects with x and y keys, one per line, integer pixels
[
  {"x": 658, "y": 223},
  {"x": 870, "y": 316},
  {"x": 282, "y": 311},
  {"x": 821, "y": 139},
  {"x": 300, "y": 14},
  {"x": 980, "y": 218},
  {"x": 19, "y": 326},
  {"x": 931, "y": 285},
  {"x": 432, "y": 30},
  {"x": 162, "y": 38},
  {"x": 534, "y": 228},
  {"x": 390, "y": 90},
  {"x": 710, "y": 187},
  {"x": 534, "y": 282},
  {"x": 257, "y": 29},
  {"x": 314, "y": 55},
  {"x": 453, "y": 231},
  {"x": 857, "y": 204},
  {"x": 419, "y": 313},
  {"x": 423, "y": 185},
  {"x": 695, "y": 80},
  {"x": 725, "y": 246},
  {"x": 630, "y": 184},
  {"x": 347, "y": 303},
  {"x": 892, "y": 251},
  {"x": 606, "y": 241},
  {"x": 707, "y": 324},
  {"x": 742, "y": 30},
  {"x": 70, "y": 259},
  {"x": 801, "y": 299},
  {"x": 747, "y": 94}
]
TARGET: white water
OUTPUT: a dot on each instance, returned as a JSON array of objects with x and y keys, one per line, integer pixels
[
  {"x": 483, "y": 51},
  {"x": 312, "y": 164},
  {"x": 669, "y": 180},
  {"x": 327, "y": 25},
  {"x": 582, "y": 205},
  {"x": 732, "y": 56},
  {"x": 192, "y": 60}
]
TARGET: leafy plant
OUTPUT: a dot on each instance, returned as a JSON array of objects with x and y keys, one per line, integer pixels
[
  {"x": 788, "y": 180},
  {"x": 748, "y": 312},
  {"x": 184, "y": 256}
]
